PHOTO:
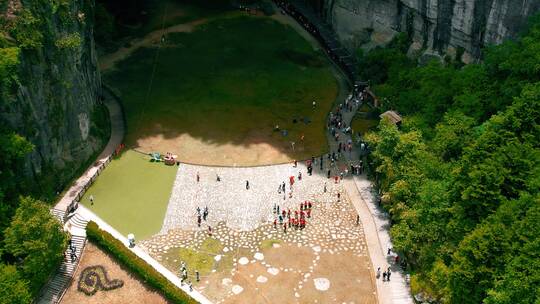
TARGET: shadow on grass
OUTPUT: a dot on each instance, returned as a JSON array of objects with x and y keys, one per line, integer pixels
[{"x": 230, "y": 82}]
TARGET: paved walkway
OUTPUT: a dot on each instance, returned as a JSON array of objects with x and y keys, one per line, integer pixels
[
  {"x": 54, "y": 289},
  {"x": 228, "y": 200},
  {"x": 90, "y": 216},
  {"x": 376, "y": 225},
  {"x": 117, "y": 135}
]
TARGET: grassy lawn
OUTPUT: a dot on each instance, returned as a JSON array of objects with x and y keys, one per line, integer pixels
[
  {"x": 364, "y": 120},
  {"x": 165, "y": 13},
  {"x": 132, "y": 194},
  {"x": 229, "y": 82},
  {"x": 201, "y": 259}
]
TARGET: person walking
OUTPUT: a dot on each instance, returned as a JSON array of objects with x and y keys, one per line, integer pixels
[
  {"x": 324, "y": 187},
  {"x": 198, "y": 177},
  {"x": 388, "y": 275},
  {"x": 247, "y": 185},
  {"x": 357, "y": 220},
  {"x": 91, "y": 199},
  {"x": 384, "y": 276}
]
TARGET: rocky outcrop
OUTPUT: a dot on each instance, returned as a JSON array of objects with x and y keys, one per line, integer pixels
[
  {"x": 55, "y": 104},
  {"x": 436, "y": 26}
]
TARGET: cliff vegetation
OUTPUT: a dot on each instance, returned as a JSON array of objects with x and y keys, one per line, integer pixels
[
  {"x": 461, "y": 177},
  {"x": 43, "y": 48}
]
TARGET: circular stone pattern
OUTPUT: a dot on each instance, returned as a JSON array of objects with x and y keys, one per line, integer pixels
[
  {"x": 237, "y": 289},
  {"x": 273, "y": 271},
  {"x": 259, "y": 256},
  {"x": 322, "y": 284}
]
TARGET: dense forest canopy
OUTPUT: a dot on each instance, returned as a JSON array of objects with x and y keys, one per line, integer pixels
[{"x": 461, "y": 177}]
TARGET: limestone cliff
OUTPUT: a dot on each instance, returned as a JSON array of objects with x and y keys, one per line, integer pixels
[
  {"x": 437, "y": 26},
  {"x": 55, "y": 103}
]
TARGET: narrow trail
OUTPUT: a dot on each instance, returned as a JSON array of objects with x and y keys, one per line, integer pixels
[
  {"x": 375, "y": 222},
  {"x": 108, "y": 61}
]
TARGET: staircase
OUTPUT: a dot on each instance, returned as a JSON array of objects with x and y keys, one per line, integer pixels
[
  {"x": 59, "y": 214},
  {"x": 53, "y": 291},
  {"x": 77, "y": 221}
]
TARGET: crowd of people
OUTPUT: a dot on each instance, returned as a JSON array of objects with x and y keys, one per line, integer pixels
[
  {"x": 296, "y": 219},
  {"x": 333, "y": 48}
]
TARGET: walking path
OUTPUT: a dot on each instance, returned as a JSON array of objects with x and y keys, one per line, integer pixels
[
  {"x": 55, "y": 288},
  {"x": 90, "y": 216},
  {"x": 375, "y": 222},
  {"x": 77, "y": 223},
  {"x": 327, "y": 37},
  {"x": 117, "y": 135}
]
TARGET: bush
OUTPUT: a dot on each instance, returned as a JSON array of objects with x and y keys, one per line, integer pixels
[
  {"x": 95, "y": 278},
  {"x": 135, "y": 264}
]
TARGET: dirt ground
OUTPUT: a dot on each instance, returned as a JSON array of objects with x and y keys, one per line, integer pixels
[
  {"x": 133, "y": 291},
  {"x": 327, "y": 262},
  {"x": 348, "y": 274}
]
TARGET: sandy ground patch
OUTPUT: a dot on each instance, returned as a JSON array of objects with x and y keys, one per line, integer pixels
[{"x": 252, "y": 151}]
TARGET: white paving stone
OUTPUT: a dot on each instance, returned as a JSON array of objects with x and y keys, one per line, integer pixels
[
  {"x": 236, "y": 289},
  {"x": 273, "y": 271},
  {"x": 322, "y": 284},
  {"x": 229, "y": 201}
]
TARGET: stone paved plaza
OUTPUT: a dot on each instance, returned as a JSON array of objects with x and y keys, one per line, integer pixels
[
  {"x": 311, "y": 263},
  {"x": 228, "y": 200}
]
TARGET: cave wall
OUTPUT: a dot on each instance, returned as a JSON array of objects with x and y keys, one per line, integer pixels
[
  {"x": 56, "y": 104},
  {"x": 437, "y": 26}
]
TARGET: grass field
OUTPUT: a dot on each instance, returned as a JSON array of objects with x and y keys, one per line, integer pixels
[
  {"x": 132, "y": 194},
  {"x": 214, "y": 95},
  {"x": 364, "y": 121}
]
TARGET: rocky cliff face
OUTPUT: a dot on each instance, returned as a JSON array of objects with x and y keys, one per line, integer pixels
[
  {"x": 437, "y": 26},
  {"x": 56, "y": 102}
]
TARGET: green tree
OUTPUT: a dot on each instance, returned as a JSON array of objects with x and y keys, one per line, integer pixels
[
  {"x": 36, "y": 240},
  {"x": 13, "y": 148},
  {"x": 13, "y": 289}
]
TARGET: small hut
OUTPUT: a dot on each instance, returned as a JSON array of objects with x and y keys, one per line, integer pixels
[{"x": 393, "y": 116}]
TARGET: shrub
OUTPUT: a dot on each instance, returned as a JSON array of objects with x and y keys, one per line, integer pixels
[
  {"x": 95, "y": 278},
  {"x": 136, "y": 265},
  {"x": 70, "y": 41}
]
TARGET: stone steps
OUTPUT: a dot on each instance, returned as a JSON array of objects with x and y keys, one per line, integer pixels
[
  {"x": 54, "y": 289},
  {"x": 58, "y": 214}
]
